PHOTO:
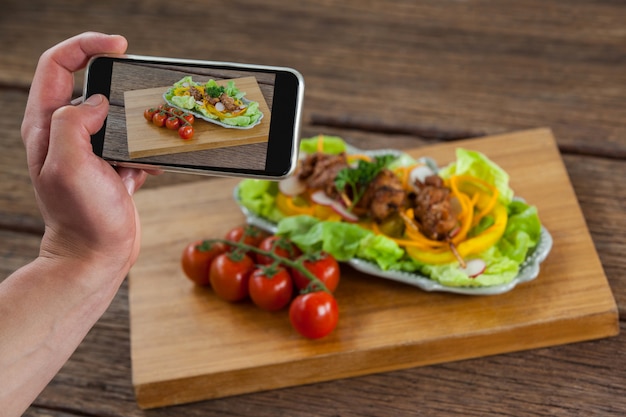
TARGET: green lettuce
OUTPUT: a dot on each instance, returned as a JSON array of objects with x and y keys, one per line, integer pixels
[
  {"x": 184, "y": 102},
  {"x": 523, "y": 230},
  {"x": 479, "y": 166},
  {"x": 500, "y": 270},
  {"x": 250, "y": 117},
  {"x": 403, "y": 160},
  {"x": 333, "y": 145},
  {"x": 342, "y": 240},
  {"x": 233, "y": 91},
  {"x": 259, "y": 196}
]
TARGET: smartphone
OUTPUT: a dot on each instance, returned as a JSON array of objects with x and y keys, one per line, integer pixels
[{"x": 214, "y": 118}]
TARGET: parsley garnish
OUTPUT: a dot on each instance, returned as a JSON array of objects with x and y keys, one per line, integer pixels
[
  {"x": 356, "y": 180},
  {"x": 214, "y": 91}
]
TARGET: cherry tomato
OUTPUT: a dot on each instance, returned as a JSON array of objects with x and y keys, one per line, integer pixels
[
  {"x": 148, "y": 113},
  {"x": 189, "y": 118},
  {"x": 197, "y": 257},
  {"x": 323, "y": 266},
  {"x": 270, "y": 288},
  {"x": 158, "y": 119},
  {"x": 280, "y": 245},
  {"x": 185, "y": 132},
  {"x": 229, "y": 275},
  {"x": 314, "y": 314},
  {"x": 248, "y": 234},
  {"x": 172, "y": 123}
]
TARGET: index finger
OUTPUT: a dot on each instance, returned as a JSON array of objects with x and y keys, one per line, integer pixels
[{"x": 53, "y": 84}]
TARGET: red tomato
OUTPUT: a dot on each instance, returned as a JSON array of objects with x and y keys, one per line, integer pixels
[
  {"x": 270, "y": 288},
  {"x": 158, "y": 119},
  {"x": 323, "y": 266},
  {"x": 148, "y": 113},
  {"x": 279, "y": 245},
  {"x": 172, "y": 123},
  {"x": 229, "y": 275},
  {"x": 189, "y": 118},
  {"x": 185, "y": 132},
  {"x": 314, "y": 314},
  {"x": 248, "y": 234},
  {"x": 196, "y": 260}
]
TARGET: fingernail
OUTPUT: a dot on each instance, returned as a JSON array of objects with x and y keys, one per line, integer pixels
[
  {"x": 129, "y": 183},
  {"x": 94, "y": 100}
]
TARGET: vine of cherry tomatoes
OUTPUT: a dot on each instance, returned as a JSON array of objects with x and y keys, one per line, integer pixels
[
  {"x": 273, "y": 272},
  {"x": 172, "y": 119}
]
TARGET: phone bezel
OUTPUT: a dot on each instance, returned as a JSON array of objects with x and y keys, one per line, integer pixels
[{"x": 284, "y": 131}]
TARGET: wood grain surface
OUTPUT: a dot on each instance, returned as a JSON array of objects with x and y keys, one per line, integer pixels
[
  {"x": 145, "y": 139},
  {"x": 400, "y": 74},
  {"x": 188, "y": 345}
]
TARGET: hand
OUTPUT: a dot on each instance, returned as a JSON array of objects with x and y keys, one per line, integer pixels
[
  {"x": 85, "y": 203},
  {"x": 91, "y": 235}
]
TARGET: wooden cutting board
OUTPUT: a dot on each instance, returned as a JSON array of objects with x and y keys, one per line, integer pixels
[
  {"x": 187, "y": 345},
  {"x": 145, "y": 139}
]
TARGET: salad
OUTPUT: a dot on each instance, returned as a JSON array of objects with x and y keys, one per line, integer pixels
[
  {"x": 223, "y": 105},
  {"x": 459, "y": 226}
]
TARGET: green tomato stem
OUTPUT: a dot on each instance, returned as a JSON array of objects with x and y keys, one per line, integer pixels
[
  {"x": 297, "y": 264},
  {"x": 179, "y": 117}
]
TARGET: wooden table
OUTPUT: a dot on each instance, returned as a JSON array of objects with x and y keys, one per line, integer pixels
[{"x": 395, "y": 74}]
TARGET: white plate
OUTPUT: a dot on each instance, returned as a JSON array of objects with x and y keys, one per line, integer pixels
[
  {"x": 529, "y": 269},
  {"x": 215, "y": 121}
]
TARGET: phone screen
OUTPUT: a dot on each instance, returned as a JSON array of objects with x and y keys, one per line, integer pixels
[{"x": 243, "y": 119}]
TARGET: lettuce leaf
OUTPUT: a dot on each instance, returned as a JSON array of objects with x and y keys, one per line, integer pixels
[
  {"x": 259, "y": 196},
  {"x": 185, "y": 102},
  {"x": 233, "y": 91},
  {"x": 522, "y": 233},
  {"x": 404, "y": 160},
  {"x": 342, "y": 240},
  {"x": 500, "y": 270},
  {"x": 333, "y": 145},
  {"x": 479, "y": 166}
]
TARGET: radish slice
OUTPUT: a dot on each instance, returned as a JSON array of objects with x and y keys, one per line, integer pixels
[
  {"x": 320, "y": 197},
  {"x": 474, "y": 267},
  {"x": 420, "y": 173},
  {"x": 291, "y": 186}
]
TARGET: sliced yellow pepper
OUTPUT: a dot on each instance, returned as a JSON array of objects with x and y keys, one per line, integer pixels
[
  {"x": 288, "y": 207},
  {"x": 471, "y": 246}
]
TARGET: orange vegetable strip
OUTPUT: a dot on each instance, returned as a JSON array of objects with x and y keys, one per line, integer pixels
[
  {"x": 467, "y": 212},
  {"x": 485, "y": 185},
  {"x": 405, "y": 242},
  {"x": 320, "y": 143}
]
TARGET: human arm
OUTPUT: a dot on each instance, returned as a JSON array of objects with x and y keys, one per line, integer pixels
[{"x": 91, "y": 236}]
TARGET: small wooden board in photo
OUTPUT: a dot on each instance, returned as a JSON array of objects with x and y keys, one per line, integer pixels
[{"x": 145, "y": 139}]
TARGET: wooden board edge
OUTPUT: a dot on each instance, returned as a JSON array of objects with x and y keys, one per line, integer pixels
[{"x": 391, "y": 358}]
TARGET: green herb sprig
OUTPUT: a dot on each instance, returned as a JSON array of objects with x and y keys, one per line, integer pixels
[{"x": 356, "y": 180}]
